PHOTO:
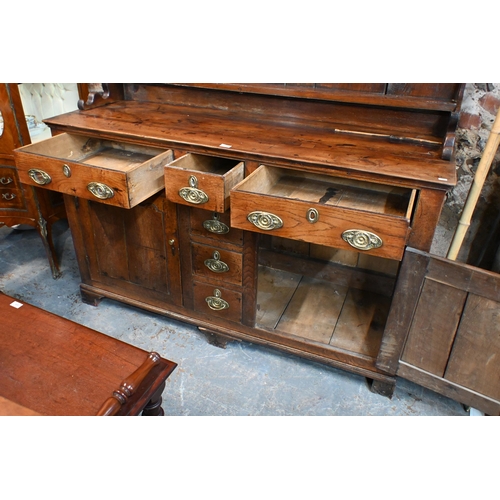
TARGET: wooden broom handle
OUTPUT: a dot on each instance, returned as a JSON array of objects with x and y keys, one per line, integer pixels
[
  {"x": 128, "y": 386},
  {"x": 476, "y": 187}
]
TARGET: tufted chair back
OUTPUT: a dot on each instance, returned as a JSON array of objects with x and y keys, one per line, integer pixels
[{"x": 44, "y": 100}]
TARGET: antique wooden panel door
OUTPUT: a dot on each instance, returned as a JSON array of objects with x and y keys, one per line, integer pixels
[{"x": 443, "y": 330}]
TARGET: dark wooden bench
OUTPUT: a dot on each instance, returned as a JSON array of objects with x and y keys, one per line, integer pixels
[{"x": 52, "y": 366}]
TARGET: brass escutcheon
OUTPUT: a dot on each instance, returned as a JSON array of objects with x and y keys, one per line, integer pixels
[
  {"x": 100, "y": 190},
  {"x": 192, "y": 194},
  {"x": 215, "y": 302},
  {"x": 312, "y": 215},
  {"x": 362, "y": 240},
  {"x": 39, "y": 176},
  {"x": 265, "y": 220},
  {"x": 66, "y": 170},
  {"x": 216, "y": 265},
  {"x": 215, "y": 225}
]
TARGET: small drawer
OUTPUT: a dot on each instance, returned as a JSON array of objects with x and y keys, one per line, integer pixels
[
  {"x": 8, "y": 178},
  {"x": 110, "y": 172},
  {"x": 11, "y": 198},
  {"x": 217, "y": 264},
  {"x": 202, "y": 181},
  {"x": 215, "y": 226},
  {"x": 217, "y": 301},
  {"x": 330, "y": 211}
]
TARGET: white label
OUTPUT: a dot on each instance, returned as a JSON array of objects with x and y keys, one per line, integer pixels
[
  {"x": 225, "y": 146},
  {"x": 17, "y": 305},
  {"x": 442, "y": 179}
]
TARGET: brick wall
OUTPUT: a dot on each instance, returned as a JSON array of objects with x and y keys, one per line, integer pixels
[{"x": 480, "y": 106}]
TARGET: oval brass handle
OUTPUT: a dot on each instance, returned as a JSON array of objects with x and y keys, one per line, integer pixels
[
  {"x": 39, "y": 176},
  {"x": 216, "y": 265},
  {"x": 265, "y": 220},
  {"x": 216, "y": 302},
  {"x": 215, "y": 225},
  {"x": 192, "y": 194},
  {"x": 8, "y": 196},
  {"x": 362, "y": 240},
  {"x": 101, "y": 191},
  {"x": 6, "y": 180}
]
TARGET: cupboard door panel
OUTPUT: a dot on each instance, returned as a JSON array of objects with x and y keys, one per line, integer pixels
[
  {"x": 131, "y": 249},
  {"x": 439, "y": 310},
  {"x": 443, "y": 330},
  {"x": 475, "y": 359}
]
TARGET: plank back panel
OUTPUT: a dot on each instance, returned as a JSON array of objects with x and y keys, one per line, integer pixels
[{"x": 391, "y": 118}]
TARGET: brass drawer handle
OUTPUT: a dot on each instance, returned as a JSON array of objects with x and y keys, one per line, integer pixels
[
  {"x": 8, "y": 196},
  {"x": 215, "y": 302},
  {"x": 265, "y": 220},
  {"x": 362, "y": 240},
  {"x": 192, "y": 194},
  {"x": 39, "y": 176},
  {"x": 100, "y": 190},
  {"x": 215, "y": 225},
  {"x": 216, "y": 265},
  {"x": 6, "y": 180}
]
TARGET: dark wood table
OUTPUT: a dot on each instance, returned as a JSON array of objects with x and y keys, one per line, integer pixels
[{"x": 52, "y": 366}]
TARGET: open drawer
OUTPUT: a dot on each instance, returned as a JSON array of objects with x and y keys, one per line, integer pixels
[
  {"x": 203, "y": 181},
  {"x": 326, "y": 210},
  {"x": 114, "y": 173}
]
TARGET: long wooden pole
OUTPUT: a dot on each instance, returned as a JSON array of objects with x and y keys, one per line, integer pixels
[{"x": 475, "y": 189}]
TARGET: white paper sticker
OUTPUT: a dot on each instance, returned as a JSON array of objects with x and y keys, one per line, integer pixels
[
  {"x": 17, "y": 305},
  {"x": 225, "y": 146},
  {"x": 442, "y": 179}
]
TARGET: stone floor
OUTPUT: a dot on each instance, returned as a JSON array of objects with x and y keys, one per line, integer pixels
[{"x": 241, "y": 380}]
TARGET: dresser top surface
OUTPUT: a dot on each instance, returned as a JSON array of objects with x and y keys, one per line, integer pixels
[{"x": 291, "y": 142}]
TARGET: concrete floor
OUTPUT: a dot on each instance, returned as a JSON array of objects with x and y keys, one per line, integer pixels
[{"x": 243, "y": 379}]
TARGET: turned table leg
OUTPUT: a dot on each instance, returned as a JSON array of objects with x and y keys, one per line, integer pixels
[{"x": 153, "y": 407}]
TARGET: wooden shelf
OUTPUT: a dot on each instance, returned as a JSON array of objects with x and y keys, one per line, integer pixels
[{"x": 322, "y": 311}]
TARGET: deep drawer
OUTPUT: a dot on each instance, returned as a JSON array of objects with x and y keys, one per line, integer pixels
[
  {"x": 336, "y": 212},
  {"x": 114, "y": 173},
  {"x": 217, "y": 301},
  {"x": 215, "y": 264},
  {"x": 203, "y": 181},
  {"x": 214, "y": 226}
]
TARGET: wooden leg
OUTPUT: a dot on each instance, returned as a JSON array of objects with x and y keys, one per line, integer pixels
[
  {"x": 384, "y": 388},
  {"x": 89, "y": 297},
  {"x": 153, "y": 408},
  {"x": 45, "y": 232},
  {"x": 215, "y": 339}
]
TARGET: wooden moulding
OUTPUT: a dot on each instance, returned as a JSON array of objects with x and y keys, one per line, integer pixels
[{"x": 72, "y": 162}]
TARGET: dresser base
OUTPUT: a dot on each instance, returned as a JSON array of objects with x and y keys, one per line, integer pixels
[{"x": 220, "y": 334}]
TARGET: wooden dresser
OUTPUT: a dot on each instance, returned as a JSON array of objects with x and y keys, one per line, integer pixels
[{"x": 276, "y": 214}]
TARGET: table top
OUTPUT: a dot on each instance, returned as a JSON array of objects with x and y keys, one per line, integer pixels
[{"x": 53, "y": 366}]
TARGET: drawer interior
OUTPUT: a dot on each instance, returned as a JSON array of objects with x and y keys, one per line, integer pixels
[
  {"x": 96, "y": 152},
  {"x": 206, "y": 164},
  {"x": 330, "y": 191}
]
